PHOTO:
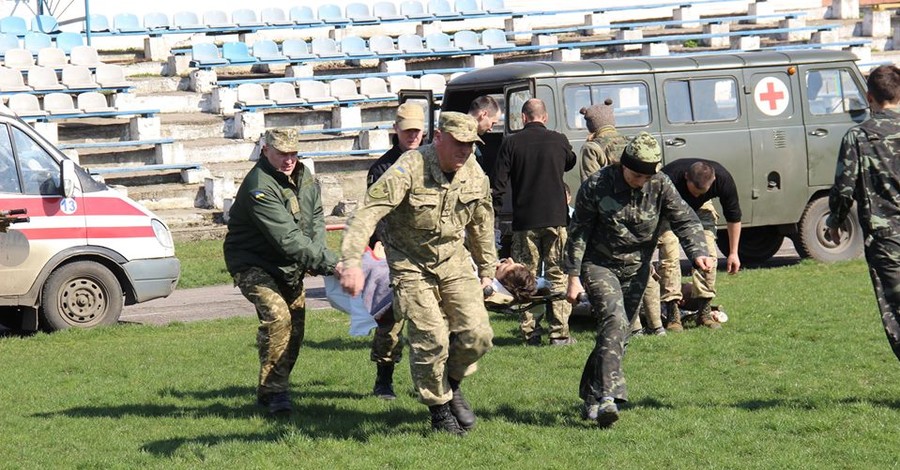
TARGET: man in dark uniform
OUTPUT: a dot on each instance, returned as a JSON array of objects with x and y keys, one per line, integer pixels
[
  {"x": 699, "y": 182},
  {"x": 533, "y": 161},
  {"x": 617, "y": 219},
  {"x": 868, "y": 171},
  {"x": 276, "y": 234},
  {"x": 387, "y": 346}
]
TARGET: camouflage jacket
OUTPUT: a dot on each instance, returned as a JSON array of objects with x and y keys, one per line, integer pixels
[
  {"x": 278, "y": 225},
  {"x": 617, "y": 227},
  {"x": 868, "y": 171},
  {"x": 427, "y": 216},
  {"x": 603, "y": 148}
]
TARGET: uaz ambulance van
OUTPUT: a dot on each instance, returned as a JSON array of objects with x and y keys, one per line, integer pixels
[
  {"x": 85, "y": 251},
  {"x": 774, "y": 119}
]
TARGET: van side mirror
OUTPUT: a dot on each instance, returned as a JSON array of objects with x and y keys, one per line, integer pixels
[{"x": 67, "y": 176}]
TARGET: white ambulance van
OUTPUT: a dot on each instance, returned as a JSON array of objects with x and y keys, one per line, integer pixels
[{"x": 84, "y": 252}]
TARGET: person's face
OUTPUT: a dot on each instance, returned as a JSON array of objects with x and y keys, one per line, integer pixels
[
  {"x": 284, "y": 162},
  {"x": 409, "y": 139},
  {"x": 452, "y": 154},
  {"x": 486, "y": 121},
  {"x": 634, "y": 179},
  {"x": 506, "y": 265},
  {"x": 695, "y": 190}
]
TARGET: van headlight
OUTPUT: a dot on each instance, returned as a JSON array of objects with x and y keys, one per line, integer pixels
[{"x": 163, "y": 236}]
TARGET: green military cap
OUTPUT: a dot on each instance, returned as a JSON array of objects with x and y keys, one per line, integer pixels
[
  {"x": 642, "y": 155},
  {"x": 462, "y": 127},
  {"x": 284, "y": 139}
]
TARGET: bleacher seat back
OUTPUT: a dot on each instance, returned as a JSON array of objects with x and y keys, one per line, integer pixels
[
  {"x": 99, "y": 23},
  {"x": 494, "y": 6},
  {"x": 7, "y": 42},
  {"x": 314, "y": 90},
  {"x": 295, "y": 48},
  {"x": 156, "y": 20},
  {"x": 266, "y": 49},
  {"x": 434, "y": 82},
  {"x": 343, "y": 87},
  {"x": 402, "y": 82},
  {"x": 44, "y": 24},
  {"x": 111, "y": 76},
  {"x": 185, "y": 20},
  {"x": 382, "y": 44},
  {"x": 412, "y": 9},
  {"x": 127, "y": 23},
  {"x": 283, "y": 93},
  {"x": 59, "y": 102},
  {"x": 215, "y": 19},
  {"x": 467, "y": 7},
  {"x": 52, "y": 57},
  {"x": 440, "y": 8},
  {"x": 13, "y": 25},
  {"x": 67, "y": 41},
  {"x": 11, "y": 80},
  {"x": 248, "y": 92},
  {"x": 302, "y": 14},
  {"x": 354, "y": 45},
  {"x": 375, "y": 87},
  {"x": 18, "y": 58},
  {"x": 410, "y": 43},
  {"x": 359, "y": 13},
  {"x": 323, "y": 46},
  {"x": 84, "y": 55},
  {"x": 35, "y": 41},
  {"x": 25, "y": 104},
  {"x": 236, "y": 52},
  {"x": 385, "y": 11},
  {"x": 439, "y": 42},
  {"x": 92, "y": 101},
  {"x": 329, "y": 12},
  {"x": 205, "y": 52},
  {"x": 493, "y": 37},
  {"x": 467, "y": 40},
  {"x": 244, "y": 17},
  {"x": 43, "y": 78},
  {"x": 273, "y": 16},
  {"x": 78, "y": 76}
]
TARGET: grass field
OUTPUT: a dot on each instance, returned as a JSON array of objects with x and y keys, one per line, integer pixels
[{"x": 800, "y": 377}]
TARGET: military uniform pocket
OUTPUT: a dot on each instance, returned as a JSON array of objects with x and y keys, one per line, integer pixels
[{"x": 424, "y": 210}]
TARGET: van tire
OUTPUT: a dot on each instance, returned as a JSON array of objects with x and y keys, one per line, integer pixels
[
  {"x": 83, "y": 294},
  {"x": 758, "y": 244},
  {"x": 811, "y": 242}
]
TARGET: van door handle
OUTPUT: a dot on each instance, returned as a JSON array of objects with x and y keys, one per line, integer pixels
[
  {"x": 675, "y": 142},
  {"x": 819, "y": 133}
]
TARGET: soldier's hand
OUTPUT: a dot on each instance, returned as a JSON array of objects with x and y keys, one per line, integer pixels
[
  {"x": 352, "y": 280},
  {"x": 485, "y": 282},
  {"x": 705, "y": 263},
  {"x": 574, "y": 290},
  {"x": 733, "y": 264},
  {"x": 833, "y": 234}
]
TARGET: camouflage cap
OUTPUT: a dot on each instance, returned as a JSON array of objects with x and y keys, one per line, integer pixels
[
  {"x": 284, "y": 139},
  {"x": 642, "y": 155},
  {"x": 410, "y": 116},
  {"x": 462, "y": 127}
]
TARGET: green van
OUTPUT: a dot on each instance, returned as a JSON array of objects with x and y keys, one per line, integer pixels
[{"x": 774, "y": 119}]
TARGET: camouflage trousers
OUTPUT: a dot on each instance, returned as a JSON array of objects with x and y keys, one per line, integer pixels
[
  {"x": 615, "y": 297},
  {"x": 387, "y": 344},
  {"x": 544, "y": 248},
  {"x": 282, "y": 317},
  {"x": 704, "y": 284},
  {"x": 649, "y": 315},
  {"x": 447, "y": 326},
  {"x": 883, "y": 256}
]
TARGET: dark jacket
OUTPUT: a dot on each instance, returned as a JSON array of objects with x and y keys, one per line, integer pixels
[
  {"x": 382, "y": 164},
  {"x": 533, "y": 162},
  {"x": 277, "y": 225}
]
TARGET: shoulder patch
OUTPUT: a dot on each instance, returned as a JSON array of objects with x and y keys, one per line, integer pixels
[
  {"x": 258, "y": 195},
  {"x": 399, "y": 169}
]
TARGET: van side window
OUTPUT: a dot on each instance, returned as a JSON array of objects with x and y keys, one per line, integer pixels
[
  {"x": 629, "y": 103},
  {"x": 9, "y": 177},
  {"x": 701, "y": 100},
  {"x": 514, "y": 110},
  {"x": 832, "y": 91},
  {"x": 40, "y": 171}
]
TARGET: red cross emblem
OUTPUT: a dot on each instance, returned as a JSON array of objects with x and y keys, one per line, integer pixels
[{"x": 771, "y": 96}]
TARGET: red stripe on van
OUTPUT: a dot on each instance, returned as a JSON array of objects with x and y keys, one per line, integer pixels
[
  {"x": 53, "y": 233},
  {"x": 91, "y": 232},
  {"x": 43, "y": 206},
  {"x": 120, "y": 232}
]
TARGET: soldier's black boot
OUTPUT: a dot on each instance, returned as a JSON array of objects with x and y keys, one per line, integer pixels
[
  {"x": 704, "y": 316},
  {"x": 384, "y": 379},
  {"x": 460, "y": 407},
  {"x": 442, "y": 420},
  {"x": 674, "y": 316}
]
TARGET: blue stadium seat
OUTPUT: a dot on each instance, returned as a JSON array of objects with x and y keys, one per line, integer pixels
[
  {"x": 265, "y": 50},
  {"x": 205, "y": 55},
  {"x": 13, "y": 25},
  {"x": 127, "y": 23},
  {"x": 99, "y": 23},
  {"x": 274, "y": 16},
  {"x": 296, "y": 50},
  {"x": 44, "y": 24},
  {"x": 156, "y": 20},
  {"x": 359, "y": 13},
  {"x": 35, "y": 41},
  {"x": 66, "y": 41},
  {"x": 331, "y": 14},
  {"x": 386, "y": 11},
  {"x": 355, "y": 46},
  {"x": 236, "y": 53},
  {"x": 245, "y": 18},
  {"x": 185, "y": 20},
  {"x": 303, "y": 15},
  {"x": 7, "y": 42}
]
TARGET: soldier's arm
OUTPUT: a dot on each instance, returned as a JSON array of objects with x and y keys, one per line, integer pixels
[
  {"x": 276, "y": 223},
  {"x": 480, "y": 235},
  {"x": 840, "y": 198},
  {"x": 583, "y": 220},
  {"x": 591, "y": 159},
  {"x": 683, "y": 220},
  {"x": 571, "y": 159},
  {"x": 382, "y": 197}
]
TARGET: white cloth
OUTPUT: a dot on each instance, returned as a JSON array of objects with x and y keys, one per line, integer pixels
[{"x": 361, "y": 321}]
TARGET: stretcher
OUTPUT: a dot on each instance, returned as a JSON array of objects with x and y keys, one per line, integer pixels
[{"x": 543, "y": 297}]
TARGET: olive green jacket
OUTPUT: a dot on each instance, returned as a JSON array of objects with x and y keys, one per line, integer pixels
[{"x": 278, "y": 225}]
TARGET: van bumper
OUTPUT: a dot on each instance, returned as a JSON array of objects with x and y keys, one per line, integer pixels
[{"x": 153, "y": 278}]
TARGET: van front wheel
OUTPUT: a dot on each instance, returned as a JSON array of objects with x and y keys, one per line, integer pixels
[
  {"x": 83, "y": 294},
  {"x": 812, "y": 241}
]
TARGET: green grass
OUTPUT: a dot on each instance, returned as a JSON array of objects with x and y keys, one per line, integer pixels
[
  {"x": 202, "y": 263},
  {"x": 800, "y": 377}
]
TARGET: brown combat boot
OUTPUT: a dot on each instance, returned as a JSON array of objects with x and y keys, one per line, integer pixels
[
  {"x": 674, "y": 324},
  {"x": 704, "y": 316}
]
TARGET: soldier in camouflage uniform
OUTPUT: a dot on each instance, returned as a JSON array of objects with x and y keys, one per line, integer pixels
[
  {"x": 432, "y": 198},
  {"x": 612, "y": 235},
  {"x": 604, "y": 144},
  {"x": 276, "y": 234},
  {"x": 868, "y": 171}
]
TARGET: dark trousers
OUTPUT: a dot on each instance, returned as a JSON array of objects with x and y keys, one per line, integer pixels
[
  {"x": 883, "y": 256},
  {"x": 615, "y": 298}
]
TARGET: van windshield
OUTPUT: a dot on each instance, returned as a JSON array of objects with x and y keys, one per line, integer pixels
[{"x": 40, "y": 171}]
